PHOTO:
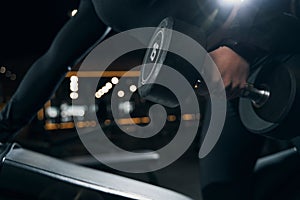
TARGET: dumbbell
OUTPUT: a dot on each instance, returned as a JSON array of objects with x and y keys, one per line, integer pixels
[
  {"x": 278, "y": 116},
  {"x": 274, "y": 82}
]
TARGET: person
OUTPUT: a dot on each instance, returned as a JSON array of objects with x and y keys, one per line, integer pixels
[
  {"x": 225, "y": 171},
  {"x": 83, "y": 31},
  {"x": 261, "y": 28}
]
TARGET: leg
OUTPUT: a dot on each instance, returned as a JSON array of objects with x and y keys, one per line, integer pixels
[
  {"x": 226, "y": 172},
  {"x": 75, "y": 38}
]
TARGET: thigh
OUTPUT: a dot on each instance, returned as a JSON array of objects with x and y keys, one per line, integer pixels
[{"x": 226, "y": 171}]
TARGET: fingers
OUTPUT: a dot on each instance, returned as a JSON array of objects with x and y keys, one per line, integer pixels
[
  {"x": 233, "y": 88},
  {"x": 233, "y": 68}
]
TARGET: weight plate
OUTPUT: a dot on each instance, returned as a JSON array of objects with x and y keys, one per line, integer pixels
[
  {"x": 248, "y": 116},
  {"x": 277, "y": 117},
  {"x": 155, "y": 56}
]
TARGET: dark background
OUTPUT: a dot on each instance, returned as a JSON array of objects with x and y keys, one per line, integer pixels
[
  {"x": 26, "y": 31},
  {"x": 29, "y": 26}
]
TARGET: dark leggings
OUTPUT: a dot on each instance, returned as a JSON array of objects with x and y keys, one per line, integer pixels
[
  {"x": 230, "y": 163},
  {"x": 226, "y": 172}
]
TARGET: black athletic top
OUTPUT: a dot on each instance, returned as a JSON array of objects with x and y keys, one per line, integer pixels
[
  {"x": 260, "y": 27},
  {"x": 264, "y": 26}
]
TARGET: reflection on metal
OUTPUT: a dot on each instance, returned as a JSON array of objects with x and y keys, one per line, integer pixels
[{"x": 33, "y": 172}]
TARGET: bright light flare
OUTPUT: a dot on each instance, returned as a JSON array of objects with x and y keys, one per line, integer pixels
[
  {"x": 121, "y": 93},
  {"x": 74, "y": 12},
  {"x": 74, "y": 95},
  {"x": 115, "y": 80},
  {"x": 132, "y": 88},
  {"x": 230, "y": 2}
]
